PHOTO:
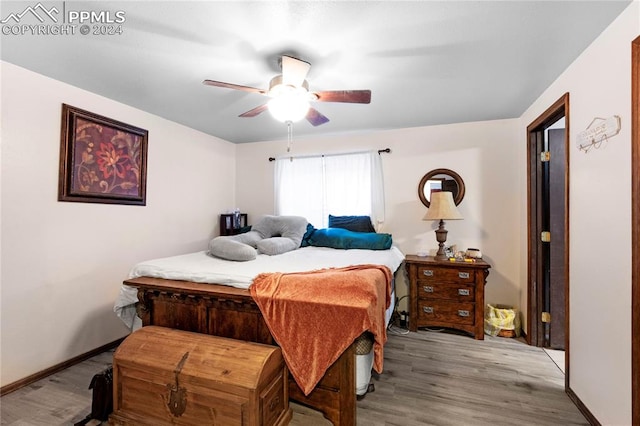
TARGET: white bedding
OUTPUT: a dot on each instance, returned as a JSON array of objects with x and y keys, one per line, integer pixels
[
  {"x": 200, "y": 267},
  {"x": 203, "y": 268}
]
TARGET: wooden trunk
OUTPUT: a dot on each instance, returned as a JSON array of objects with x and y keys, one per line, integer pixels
[
  {"x": 231, "y": 312},
  {"x": 166, "y": 376}
]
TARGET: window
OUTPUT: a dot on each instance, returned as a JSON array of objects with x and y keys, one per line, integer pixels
[{"x": 342, "y": 184}]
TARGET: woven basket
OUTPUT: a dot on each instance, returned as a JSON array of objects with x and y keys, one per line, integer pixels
[{"x": 364, "y": 343}]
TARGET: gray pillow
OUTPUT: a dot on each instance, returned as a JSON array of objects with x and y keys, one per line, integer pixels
[
  {"x": 230, "y": 249},
  {"x": 276, "y": 245},
  {"x": 271, "y": 235},
  {"x": 291, "y": 227},
  {"x": 250, "y": 238}
]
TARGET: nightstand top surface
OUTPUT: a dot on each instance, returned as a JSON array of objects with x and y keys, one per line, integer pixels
[{"x": 429, "y": 260}]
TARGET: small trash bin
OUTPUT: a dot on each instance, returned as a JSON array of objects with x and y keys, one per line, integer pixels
[{"x": 502, "y": 321}]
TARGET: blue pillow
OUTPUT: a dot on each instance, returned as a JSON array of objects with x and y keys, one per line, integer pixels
[
  {"x": 307, "y": 234},
  {"x": 344, "y": 239},
  {"x": 352, "y": 223}
]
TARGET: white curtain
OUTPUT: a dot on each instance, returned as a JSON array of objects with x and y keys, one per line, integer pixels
[{"x": 341, "y": 184}]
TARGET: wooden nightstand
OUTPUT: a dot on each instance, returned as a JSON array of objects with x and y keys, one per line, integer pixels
[
  {"x": 447, "y": 294},
  {"x": 227, "y": 225}
]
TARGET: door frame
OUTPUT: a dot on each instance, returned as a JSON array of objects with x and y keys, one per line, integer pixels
[
  {"x": 534, "y": 267},
  {"x": 635, "y": 230}
]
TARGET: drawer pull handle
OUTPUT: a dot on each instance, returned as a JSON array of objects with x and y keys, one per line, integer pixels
[
  {"x": 428, "y": 289},
  {"x": 428, "y": 273},
  {"x": 463, "y": 275},
  {"x": 463, "y": 292},
  {"x": 463, "y": 313},
  {"x": 274, "y": 403},
  {"x": 427, "y": 309}
]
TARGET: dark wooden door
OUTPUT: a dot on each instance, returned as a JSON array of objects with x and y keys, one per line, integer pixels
[{"x": 557, "y": 245}]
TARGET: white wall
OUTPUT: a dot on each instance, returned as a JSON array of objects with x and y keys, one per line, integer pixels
[
  {"x": 481, "y": 153},
  {"x": 62, "y": 262},
  {"x": 599, "y": 84}
]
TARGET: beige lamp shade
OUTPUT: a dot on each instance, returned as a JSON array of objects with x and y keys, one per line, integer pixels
[{"x": 442, "y": 207}]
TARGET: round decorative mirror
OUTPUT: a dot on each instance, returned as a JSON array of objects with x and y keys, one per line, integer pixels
[{"x": 441, "y": 180}]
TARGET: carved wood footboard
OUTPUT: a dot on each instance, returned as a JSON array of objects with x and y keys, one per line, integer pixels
[{"x": 231, "y": 312}]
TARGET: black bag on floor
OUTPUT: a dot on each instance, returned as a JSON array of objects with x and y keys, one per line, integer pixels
[{"x": 102, "y": 402}]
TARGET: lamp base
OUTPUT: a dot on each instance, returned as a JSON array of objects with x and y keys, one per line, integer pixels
[
  {"x": 441, "y": 237},
  {"x": 439, "y": 256}
]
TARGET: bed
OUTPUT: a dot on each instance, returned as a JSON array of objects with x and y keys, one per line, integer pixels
[{"x": 202, "y": 293}]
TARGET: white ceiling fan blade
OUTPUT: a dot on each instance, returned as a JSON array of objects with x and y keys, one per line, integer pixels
[{"x": 294, "y": 71}]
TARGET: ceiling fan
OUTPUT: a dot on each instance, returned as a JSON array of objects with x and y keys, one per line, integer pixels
[{"x": 290, "y": 95}]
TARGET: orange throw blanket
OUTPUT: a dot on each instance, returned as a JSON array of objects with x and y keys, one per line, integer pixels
[{"x": 314, "y": 316}]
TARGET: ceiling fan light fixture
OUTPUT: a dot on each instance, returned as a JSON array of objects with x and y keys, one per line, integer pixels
[
  {"x": 290, "y": 95},
  {"x": 289, "y": 103}
]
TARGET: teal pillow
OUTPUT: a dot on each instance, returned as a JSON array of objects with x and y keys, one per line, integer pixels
[
  {"x": 344, "y": 239},
  {"x": 307, "y": 234},
  {"x": 352, "y": 223}
]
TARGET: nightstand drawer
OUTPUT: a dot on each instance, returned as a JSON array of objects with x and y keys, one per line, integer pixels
[
  {"x": 437, "y": 311},
  {"x": 446, "y": 274},
  {"x": 459, "y": 292}
]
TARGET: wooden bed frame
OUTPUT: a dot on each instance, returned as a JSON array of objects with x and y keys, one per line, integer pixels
[{"x": 231, "y": 312}]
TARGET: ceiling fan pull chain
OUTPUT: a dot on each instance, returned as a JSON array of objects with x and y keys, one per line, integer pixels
[{"x": 289, "y": 136}]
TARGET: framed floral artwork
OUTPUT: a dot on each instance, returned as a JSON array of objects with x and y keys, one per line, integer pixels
[{"x": 101, "y": 160}]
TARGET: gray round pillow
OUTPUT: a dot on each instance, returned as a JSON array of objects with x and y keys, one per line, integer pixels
[{"x": 230, "y": 249}]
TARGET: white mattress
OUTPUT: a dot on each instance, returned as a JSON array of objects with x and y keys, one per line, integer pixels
[{"x": 202, "y": 268}]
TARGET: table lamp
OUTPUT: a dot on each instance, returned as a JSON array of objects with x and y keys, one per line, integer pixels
[{"x": 442, "y": 208}]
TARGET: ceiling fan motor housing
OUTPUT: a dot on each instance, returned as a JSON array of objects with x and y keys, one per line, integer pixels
[{"x": 276, "y": 86}]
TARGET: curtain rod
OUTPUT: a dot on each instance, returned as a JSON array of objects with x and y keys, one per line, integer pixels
[{"x": 380, "y": 151}]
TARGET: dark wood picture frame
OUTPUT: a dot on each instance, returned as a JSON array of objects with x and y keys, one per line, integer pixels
[
  {"x": 442, "y": 175},
  {"x": 101, "y": 160}
]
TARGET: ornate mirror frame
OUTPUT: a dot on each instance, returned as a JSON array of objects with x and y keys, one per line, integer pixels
[{"x": 433, "y": 175}]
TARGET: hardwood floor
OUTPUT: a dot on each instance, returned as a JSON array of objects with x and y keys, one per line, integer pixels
[
  {"x": 429, "y": 378},
  {"x": 444, "y": 379}
]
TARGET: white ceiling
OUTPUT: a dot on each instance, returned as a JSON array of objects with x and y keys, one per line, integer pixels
[{"x": 426, "y": 62}]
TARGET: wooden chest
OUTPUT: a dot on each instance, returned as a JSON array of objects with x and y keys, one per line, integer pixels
[
  {"x": 447, "y": 294},
  {"x": 166, "y": 376}
]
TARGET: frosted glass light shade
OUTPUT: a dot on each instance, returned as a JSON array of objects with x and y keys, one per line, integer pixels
[{"x": 292, "y": 104}]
